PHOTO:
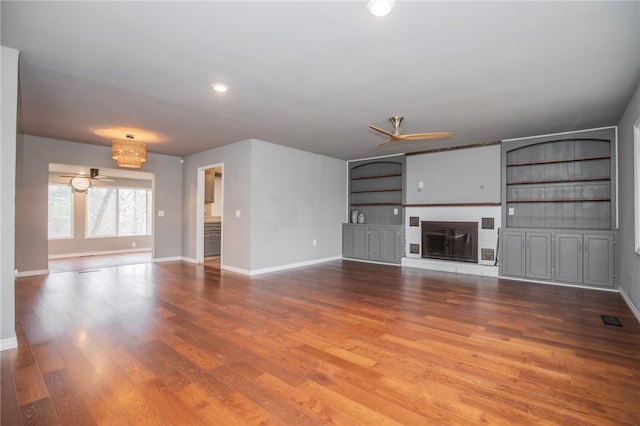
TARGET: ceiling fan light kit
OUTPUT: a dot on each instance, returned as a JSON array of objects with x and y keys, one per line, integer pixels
[
  {"x": 129, "y": 153},
  {"x": 80, "y": 183}
]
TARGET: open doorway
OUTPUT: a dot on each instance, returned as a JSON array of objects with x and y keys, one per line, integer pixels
[
  {"x": 209, "y": 221},
  {"x": 98, "y": 217}
]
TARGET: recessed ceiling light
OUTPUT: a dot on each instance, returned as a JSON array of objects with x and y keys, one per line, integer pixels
[
  {"x": 219, "y": 87},
  {"x": 380, "y": 7}
]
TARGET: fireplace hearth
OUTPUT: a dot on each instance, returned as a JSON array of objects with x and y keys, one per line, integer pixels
[{"x": 450, "y": 241}]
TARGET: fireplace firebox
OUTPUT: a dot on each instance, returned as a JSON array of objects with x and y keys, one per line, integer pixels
[{"x": 450, "y": 241}]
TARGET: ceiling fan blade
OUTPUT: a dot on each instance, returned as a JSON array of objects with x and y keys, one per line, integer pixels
[
  {"x": 381, "y": 144},
  {"x": 421, "y": 136},
  {"x": 384, "y": 132}
]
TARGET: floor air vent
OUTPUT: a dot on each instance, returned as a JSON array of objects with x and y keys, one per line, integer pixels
[{"x": 609, "y": 320}]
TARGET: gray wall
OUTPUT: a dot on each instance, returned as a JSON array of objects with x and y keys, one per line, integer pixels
[
  {"x": 296, "y": 197},
  {"x": 8, "y": 116},
  {"x": 455, "y": 176},
  {"x": 286, "y": 198},
  {"x": 628, "y": 260},
  {"x": 79, "y": 244},
  {"x": 33, "y": 157}
]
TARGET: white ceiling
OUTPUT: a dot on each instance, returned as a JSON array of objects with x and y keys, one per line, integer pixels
[{"x": 313, "y": 75}]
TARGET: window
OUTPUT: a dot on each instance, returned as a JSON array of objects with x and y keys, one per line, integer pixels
[
  {"x": 119, "y": 212},
  {"x": 60, "y": 211}
]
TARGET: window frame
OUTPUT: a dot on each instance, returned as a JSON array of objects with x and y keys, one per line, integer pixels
[{"x": 149, "y": 227}]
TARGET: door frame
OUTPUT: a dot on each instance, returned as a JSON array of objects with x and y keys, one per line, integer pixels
[{"x": 200, "y": 212}]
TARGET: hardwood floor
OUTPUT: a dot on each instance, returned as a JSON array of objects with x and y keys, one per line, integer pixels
[{"x": 339, "y": 343}]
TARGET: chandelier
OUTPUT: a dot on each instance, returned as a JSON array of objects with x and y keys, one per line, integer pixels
[{"x": 128, "y": 152}]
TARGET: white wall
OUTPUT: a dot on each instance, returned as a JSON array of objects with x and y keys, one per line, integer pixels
[
  {"x": 460, "y": 176},
  {"x": 8, "y": 117},
  {"x": 629, "y": 260},
  {"x": 32, "y": 174},
  {"x": 286, "y": 198},
  {"x": 296, "y": 197}
]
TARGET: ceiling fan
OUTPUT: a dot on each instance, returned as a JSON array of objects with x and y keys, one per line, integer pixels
[
  {"x": 80, "y": 182},
  {"x": 397, "y": 136}
]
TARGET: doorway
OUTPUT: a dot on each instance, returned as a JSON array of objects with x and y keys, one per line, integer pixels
[
  {"x": 209, "y": 221},
  {"x": 104, "y": 221}
]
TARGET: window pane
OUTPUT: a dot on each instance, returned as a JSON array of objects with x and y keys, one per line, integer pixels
[
  {"x": 149, "y": 212},
  {"x": 133, "y": 217},
  {"x": 60, "y": 211},
  {"x": 101, "y": 212}
]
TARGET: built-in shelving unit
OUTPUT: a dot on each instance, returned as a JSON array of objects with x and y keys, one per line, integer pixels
[
  {"x": 375, "y": 189},
  {"x": 560, "y": 182},
  {"x": 559, "y": 208}
]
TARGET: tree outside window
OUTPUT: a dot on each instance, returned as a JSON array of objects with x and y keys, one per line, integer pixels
[
  {"x": 60, "y": 211},
  {"x": 118, "y": 212}
]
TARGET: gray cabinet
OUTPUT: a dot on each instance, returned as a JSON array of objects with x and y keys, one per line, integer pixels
[
  {"x": 209, "y": 187},
  {"x": 585, "y": 258},
  {"x": 380, "y": 243},
  {"x": 568, "y": 257},
  {"x": 526, "y": 254},
  {"x": 355, "y": 241},
  {"x": 538, "y": 255},
  {"x": 212, "y": 238}
]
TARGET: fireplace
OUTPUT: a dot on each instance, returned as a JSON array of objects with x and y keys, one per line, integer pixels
[{"x": 450, "y": 241}]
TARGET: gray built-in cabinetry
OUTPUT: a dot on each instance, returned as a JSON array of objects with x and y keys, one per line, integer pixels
[
  {"x": 376, "y": 191},
  {"x": 558, "y": 201},
  {"x": 379, "y": 243}
]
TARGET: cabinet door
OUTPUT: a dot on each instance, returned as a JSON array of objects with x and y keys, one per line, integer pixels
[
  {"x": 355, "y": 241},
  {"x": 598, "y": 260},
  {"x": 513, "y": 260},
  {"x": 384, "y": 244},
  {"x": 376, "y": 243},
  {"x": 209, "y": 187},
  {"x": 538, "y": 255},
  {"x": 568, "y": 258}
]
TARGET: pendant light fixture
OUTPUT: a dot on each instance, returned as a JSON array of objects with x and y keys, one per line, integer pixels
[{"x": 128, "y": 152}]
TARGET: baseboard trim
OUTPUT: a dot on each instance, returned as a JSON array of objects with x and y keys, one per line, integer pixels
[
  {"x": 634, "y": 310},
  {"x": 8, "y": 343},
  {"x": 584, "y": 287},
  {"x": 236, "y": 270},
  {"x": 171, "y": 259},
  {"x": 254, "y": 272},
  {"x": 97, "y": 253},
  {"x": 35, "y": 272}
]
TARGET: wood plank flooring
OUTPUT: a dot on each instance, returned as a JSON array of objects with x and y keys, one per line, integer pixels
[{"x": 344, "y": 343}]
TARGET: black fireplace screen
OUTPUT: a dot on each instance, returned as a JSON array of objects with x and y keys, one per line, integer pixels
[{"x": 450, "y": 240}]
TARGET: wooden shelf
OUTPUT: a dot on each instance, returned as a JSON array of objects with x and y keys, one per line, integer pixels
[
  {"x": 580, "y": 179},
  {"x": 377, "y": 190},
  {"x": 378, "y": 176},
  {"x": 557, "y": 200},
  {"x": 562, "y": 160}
]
